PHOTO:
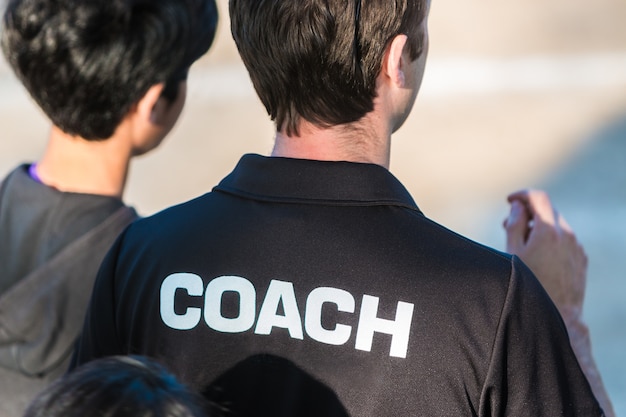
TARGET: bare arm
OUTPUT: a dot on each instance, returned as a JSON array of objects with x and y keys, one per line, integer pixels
[{"x": 543, "y": 239}]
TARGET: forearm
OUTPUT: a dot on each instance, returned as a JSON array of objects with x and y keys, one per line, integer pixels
[{"x": 581, "y": 344}]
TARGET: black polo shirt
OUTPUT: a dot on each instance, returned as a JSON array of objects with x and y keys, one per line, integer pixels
[{"x": 303, "y": 287}]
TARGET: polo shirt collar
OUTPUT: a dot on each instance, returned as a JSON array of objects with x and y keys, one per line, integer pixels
[{"x": 305, "y": 181}]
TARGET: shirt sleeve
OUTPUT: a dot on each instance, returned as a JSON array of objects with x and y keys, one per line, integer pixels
[
  {"x": 533, "y": 370},
  {"x": 99, "y": 337}
]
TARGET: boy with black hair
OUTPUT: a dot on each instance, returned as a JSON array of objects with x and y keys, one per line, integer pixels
[
  {"x": 110, "y": 75},
  {"x": 118, "y": 386},
  {"x": 317, "y": 257}
]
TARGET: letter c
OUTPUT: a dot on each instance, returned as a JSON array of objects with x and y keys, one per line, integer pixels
[
  {"x": 194, "y": 286},
  {"x": 313, "y": 319}
]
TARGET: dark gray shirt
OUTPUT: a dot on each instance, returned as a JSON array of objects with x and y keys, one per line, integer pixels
[
  {"x": 51, "y": 245},
  {"x": 37, "y": 221}
]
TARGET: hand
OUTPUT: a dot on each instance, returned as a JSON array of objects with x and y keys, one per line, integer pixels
[{"x": 541, "y": 237}]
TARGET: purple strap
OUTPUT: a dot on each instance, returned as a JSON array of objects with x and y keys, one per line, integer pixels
[{"x": 32, "y": 171}]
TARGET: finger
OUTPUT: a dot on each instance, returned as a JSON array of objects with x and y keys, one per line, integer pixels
[
  {"x": 520, "y": 195},
  {"x": 517, "y": 227},
  {"x": 541, "y": 207},
  {"x": 564, "y": 225}
]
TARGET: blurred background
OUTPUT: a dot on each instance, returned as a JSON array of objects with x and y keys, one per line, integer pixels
[{"x": 518, "y": 93}]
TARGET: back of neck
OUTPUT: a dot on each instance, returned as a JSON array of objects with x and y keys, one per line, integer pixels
[
  {"x": 74, "y": 164},
  {"x": 350, "y": 143}
]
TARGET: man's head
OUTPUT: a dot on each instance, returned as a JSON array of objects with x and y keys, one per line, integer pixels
[
  {"x": 88, "y": 62},
  {"x": 319, "y": 60}
]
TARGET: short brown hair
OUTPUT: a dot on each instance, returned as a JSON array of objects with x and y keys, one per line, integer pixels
[{"x": 318, "y": 60}]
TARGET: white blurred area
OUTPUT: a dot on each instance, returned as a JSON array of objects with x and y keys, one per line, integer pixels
[{"x": 516, "y": 94}]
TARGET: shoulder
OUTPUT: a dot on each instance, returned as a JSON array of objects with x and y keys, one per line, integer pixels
[
  {"x": 15, "y": 178},
  {"x": 461, "y": 254},
  {"x": 172, "y": 228},
  {"x": 172, "y": 220}
]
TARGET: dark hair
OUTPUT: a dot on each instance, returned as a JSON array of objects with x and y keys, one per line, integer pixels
[
  {"x": 319, "y": 59},
  {"x": 118, "y": 386},
  {"x": 87, "y": 62}
]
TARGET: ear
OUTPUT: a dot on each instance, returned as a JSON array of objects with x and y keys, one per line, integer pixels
[
  {"x": 395, "y": 64},
  {"x": 152, "y": 107}
]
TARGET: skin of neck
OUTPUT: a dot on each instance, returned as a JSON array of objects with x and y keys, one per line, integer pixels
[
  {"x": 74, "y": 164},
  {"x": 367, "y": 141}
]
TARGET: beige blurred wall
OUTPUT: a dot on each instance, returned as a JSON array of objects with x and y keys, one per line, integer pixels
[{"x": 460, "y": 144}]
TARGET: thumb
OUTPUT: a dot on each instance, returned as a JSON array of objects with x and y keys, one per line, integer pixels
[{"x": 516, "y": 226}]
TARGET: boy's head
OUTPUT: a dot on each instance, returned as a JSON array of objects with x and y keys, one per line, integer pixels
[
  {"x": 87, "y": 62},
  {"x": 318, "y": 60},
  {"x": 117, "y": 386}
]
